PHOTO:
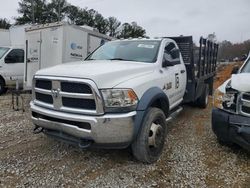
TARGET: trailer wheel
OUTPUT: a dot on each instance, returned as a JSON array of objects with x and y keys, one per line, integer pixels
[
  {"x": 202, "y": 101},
  {"x": 149, "y": 143},
  {"x": 3, "y": 89}
]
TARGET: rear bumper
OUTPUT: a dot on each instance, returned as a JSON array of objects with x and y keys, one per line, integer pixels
[
  {"x": 231, "y": 128},
  {"x": 111, "y": 130}
]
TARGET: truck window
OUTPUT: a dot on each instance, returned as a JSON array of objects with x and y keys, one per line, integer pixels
[
  {"x": 3, "y": 51},
  {"x": 167, "y": 52},
  {"x": 138, "y": 50},
  {"x": 15, "y": 56},
  {"x": 246, "y": 68}
]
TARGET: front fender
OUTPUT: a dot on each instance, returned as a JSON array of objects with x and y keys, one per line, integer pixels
[
  {"x": 150, "y": 96},
  {"x": 146, "y": 101}
]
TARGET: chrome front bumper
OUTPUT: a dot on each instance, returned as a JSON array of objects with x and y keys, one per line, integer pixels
[{"x": 106, "y": 129}]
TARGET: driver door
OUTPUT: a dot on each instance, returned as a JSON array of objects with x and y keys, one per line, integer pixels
[{"x": 175, "y": 74}]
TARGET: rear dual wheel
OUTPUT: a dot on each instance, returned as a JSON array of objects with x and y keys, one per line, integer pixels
[
  {"x": 148, "y": 145},
  {"x": 202, "y": 101}
]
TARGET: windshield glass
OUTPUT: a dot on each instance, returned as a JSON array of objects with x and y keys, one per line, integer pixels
[
  {"x": 142, "y": 51},
  {"x": 3, "y": 51},
  {"x": 246, "y": 68}
]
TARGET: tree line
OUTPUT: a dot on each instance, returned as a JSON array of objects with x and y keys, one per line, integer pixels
[
  {"x": 44, "y": 11},
  {"x": 230, "y": 51}
]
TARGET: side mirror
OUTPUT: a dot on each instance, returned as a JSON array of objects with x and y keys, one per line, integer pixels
[
  {"x": 167, "y": 63},
  {"x": 175, "y": 53},
  {"x": 235, "y": 70}
]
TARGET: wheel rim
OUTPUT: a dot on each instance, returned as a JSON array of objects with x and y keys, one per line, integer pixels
[
  {"x": 207, "y": 99},
  {"x": 155, "y": 136}
]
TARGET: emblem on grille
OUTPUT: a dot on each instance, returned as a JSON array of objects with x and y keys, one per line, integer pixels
[{"x": 55, "y": 92}]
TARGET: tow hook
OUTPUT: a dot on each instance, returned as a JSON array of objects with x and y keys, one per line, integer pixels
[
  {"x": 84, "y": 144},
  {"x": 37, "y": 130}
]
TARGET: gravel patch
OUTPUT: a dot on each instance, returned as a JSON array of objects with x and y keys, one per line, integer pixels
[{"x": 192, "y": 157}]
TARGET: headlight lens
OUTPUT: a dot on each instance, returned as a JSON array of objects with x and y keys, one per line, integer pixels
[
  {"x": 225, "y": 101},
  {"x": 119, "y": 98}
]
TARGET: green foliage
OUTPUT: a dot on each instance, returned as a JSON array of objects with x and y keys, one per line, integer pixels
[
  {"x": 45, "y": 11},
  {"x": 132, "y": 30},
  {"x": 101, "y": 23},
  {"x": 4, "y": 24},
  {"x": 40, "y": 12},
  {"x": 57, "y": 9},
  {"x": 113, "y": 25}
]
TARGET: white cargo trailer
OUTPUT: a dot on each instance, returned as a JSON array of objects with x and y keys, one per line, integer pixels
[
  {"x": 17, "y": 35},
  {"x": 4, "y": 37},
  {"x": 56, "y": 43}
]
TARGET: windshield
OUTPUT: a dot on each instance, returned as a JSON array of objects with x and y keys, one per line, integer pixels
[
  {"x": 246, "y": 68},
  {"x": 3, "y": 51},
  {"x": 142, "y": 51}
]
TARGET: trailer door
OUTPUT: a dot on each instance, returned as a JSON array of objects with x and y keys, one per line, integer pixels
[
  {"x": 33, "y": 56},
  {"x": 51, "y": 48}
]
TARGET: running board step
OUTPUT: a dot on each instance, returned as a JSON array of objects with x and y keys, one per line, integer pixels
[{"x": 174, "y": 114}]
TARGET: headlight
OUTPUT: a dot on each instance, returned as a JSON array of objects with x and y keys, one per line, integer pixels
[
  {"x": 119, "y": 99},
  {"x": 225, "y": 101}
]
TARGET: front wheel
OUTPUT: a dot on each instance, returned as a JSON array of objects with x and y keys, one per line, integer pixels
[
  {"x": 2, "y": 87},
  {"x": 149, "y": 143}
]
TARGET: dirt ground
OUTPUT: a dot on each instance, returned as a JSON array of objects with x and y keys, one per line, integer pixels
[{"x": 192, "y": 157}]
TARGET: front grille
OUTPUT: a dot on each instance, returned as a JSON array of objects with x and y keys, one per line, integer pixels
[
  {"x": 75, "y": 87},
  {"x": 244, "y": 104},
  {"x": 44, "y": 84},
  {"x": 246, "y": 96},
  {"x": 246, "y": 109},
  {"x": 79, "y": 103},
  {"x": 68, "y": 95},
  {"x": 44, "y": 98}
]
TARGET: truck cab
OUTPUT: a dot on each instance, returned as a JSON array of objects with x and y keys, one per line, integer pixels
[
  {"x": 11, "y": 67},
  {"x": 231, "y": 112},
  {"x": 123, "y": 94}
]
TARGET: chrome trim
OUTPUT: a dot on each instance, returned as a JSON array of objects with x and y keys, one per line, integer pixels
[
  {"x": 76, "y": 95},
  {"x": 57, "y": 95},
  {"x": 43, "y": 91},
  {"x": 40, "y": 103}
]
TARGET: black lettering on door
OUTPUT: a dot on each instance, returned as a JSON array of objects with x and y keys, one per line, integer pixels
[{"x": 177, "y": 81}]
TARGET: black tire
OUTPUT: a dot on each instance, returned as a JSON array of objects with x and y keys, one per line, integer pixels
[
  {"x": 223, "y": 142},
  {"x": 202, "y": 101},
  {"x": 149, "y": 143},
  {"x": 3, "y": 89}
]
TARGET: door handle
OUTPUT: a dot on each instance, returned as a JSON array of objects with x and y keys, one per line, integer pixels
[{"x": 183, "y": 71}]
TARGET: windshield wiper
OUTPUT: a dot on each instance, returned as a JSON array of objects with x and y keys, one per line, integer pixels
[{"x": 120, "y": 59}]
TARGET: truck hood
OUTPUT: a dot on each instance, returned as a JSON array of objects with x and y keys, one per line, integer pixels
[
  {"x": 239, "y": 82},
  {"x": 105, "y": 73}
]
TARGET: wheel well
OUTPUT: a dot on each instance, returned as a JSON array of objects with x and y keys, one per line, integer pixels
[{"x": 161, "y": 104}]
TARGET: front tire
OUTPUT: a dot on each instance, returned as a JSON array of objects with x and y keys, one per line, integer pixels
[
  {"x": 2, "y": 87},
  {"x": 149, "y": 143}
]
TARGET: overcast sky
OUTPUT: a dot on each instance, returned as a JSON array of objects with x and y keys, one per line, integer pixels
[{"x": 229, "y": 19}]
